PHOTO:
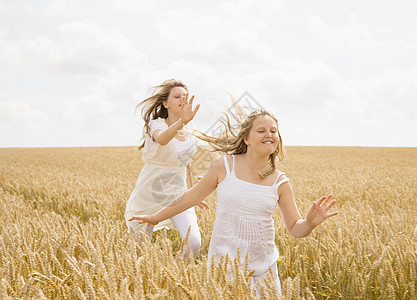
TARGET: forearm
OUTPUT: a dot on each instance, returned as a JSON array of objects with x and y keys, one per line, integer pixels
[
  {"x": 189, "y": 183},
  {"x": 189, "y": 180},
  {"x": 301, "y": 228},
  {"x": 164, "y": 137},
  {"x": 184, "y": 202}
]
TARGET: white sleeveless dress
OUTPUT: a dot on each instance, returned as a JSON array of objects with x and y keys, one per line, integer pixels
[
  {"x": 162, "y": 178},
  {"x": 244, "y": 220}
]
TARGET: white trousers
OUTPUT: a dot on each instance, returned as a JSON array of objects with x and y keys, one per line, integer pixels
[
  {"x": 262, "y": 276},
  {"x": 183, "y": 221}
]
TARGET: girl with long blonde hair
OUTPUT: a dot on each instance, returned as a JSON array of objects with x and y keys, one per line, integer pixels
[
  {"x": 167, "y": 150},
  {"x": 249, "y": 188}
]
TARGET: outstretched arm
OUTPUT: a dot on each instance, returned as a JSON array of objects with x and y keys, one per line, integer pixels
[
  {"x": 163, "y": 137},
  {"x": 295, "y": 224},
  {"x": 189, "y": 181},
  {"x": 189, "y": 178},
  {"x": 191, "y": 197}
]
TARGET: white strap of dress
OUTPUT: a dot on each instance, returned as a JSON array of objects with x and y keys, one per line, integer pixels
[
  {"x": 226, "y": 165},
  {"x": 233, "y": 165},
  {"x": 281, "y": 181}
]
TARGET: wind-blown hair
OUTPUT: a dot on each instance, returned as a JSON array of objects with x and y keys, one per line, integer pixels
[
  {"x": 153, "y": 107},
  {"x": 231, "y": 140}
]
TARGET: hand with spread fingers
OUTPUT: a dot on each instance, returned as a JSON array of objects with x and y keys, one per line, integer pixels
[
  {"x": 187, "y": 112},
  {"x": 150, "y": 219},
  {"x": 319, "y": 211}
]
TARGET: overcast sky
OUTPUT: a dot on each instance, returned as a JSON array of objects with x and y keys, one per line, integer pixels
[{"x": 334, "y": 72}]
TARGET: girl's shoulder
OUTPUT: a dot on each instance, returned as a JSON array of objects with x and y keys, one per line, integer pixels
[
  {"x": 280, "y": 177},
  {"x": 157, "y": 124},
  {"x": 159, "y": 120},
  {"x": 229, "y": 159},
  {"x": 219, "y": 164},
  {"x": 154, "y": 125}
]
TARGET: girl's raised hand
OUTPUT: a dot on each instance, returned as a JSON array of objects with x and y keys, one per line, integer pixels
[
  {"x": 319, "y": 212},
  {"x": 150, "y": 219},
  {"x": 187, "y": 112}
]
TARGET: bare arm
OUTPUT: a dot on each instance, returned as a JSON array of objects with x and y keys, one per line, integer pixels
[
  {"x": 189, "y": 179},
  {"x": 191, "y": 197},
  {"x": 163, "y": 137},
  {"x": 295, "y": 224}
]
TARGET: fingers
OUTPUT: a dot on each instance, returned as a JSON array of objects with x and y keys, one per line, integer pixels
[
  {"x": 187, "y": 113},
  {"x": 139, "y": 218},
  {"x": 135, "y": 218},
  {"x": 320, "y": 201},
  {"x": 184, "y": 99},
  {"x": 332, "y": 214},
  {"x": 204, "y": 205},
  {"x": 196, "y": 109},
  {"x": 323, "y": 200},
  {"x": 330, "y": 205}
]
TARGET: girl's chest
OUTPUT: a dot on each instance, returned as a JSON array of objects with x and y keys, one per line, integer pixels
[{"x": 247, "y": 198}]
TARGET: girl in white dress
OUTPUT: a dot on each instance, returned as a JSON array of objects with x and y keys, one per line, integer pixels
[
  {"x": 167, "y": 152},
  {"x": 249, "y": 188}
]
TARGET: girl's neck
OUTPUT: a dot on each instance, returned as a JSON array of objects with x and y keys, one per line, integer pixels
[{"x": 256, "y": 162}]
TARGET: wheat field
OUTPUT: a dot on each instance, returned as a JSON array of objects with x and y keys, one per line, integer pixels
[{"x": 62, "y": 231}]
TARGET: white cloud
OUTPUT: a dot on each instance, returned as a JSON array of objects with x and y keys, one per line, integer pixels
[
  {"x": 81, "y": 48},
  {"x": 22, "y": 115},
  {"x": 95, "y": 9},
  {"x": 357, "y": 48},
  {"x": 356, "y": 36},
  {"x": 331, "y": 75},
  {"x": 91, "y": 47},
  {"x": 38, "y": 51},
  {"x": 22, "y": 6}
]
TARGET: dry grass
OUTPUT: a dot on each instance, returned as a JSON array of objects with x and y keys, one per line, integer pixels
[{"x": 62, "y": 233}]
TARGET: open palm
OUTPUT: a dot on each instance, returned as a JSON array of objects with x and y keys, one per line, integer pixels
[
  {"x": 319, "y": 211},
  {"x": 150, "y": 219},
  {"x": 187, "y": 112}
]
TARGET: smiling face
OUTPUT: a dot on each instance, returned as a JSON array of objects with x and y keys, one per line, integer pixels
[
  {"x": 173, "y": 103},
  {"x": 263, "y": 137}
]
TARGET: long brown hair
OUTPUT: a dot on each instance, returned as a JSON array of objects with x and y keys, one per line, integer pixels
[
  {"x": 153, "y": 107},
  {"x": 232, "y": 139}
]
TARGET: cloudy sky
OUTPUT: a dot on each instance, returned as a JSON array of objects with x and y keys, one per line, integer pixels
[{"x": 334, "y": 72}]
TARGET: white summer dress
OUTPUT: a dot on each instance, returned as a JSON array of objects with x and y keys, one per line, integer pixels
[
  {"x": 244, "y": 220},
  {"x": 162, "y": 178}
]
